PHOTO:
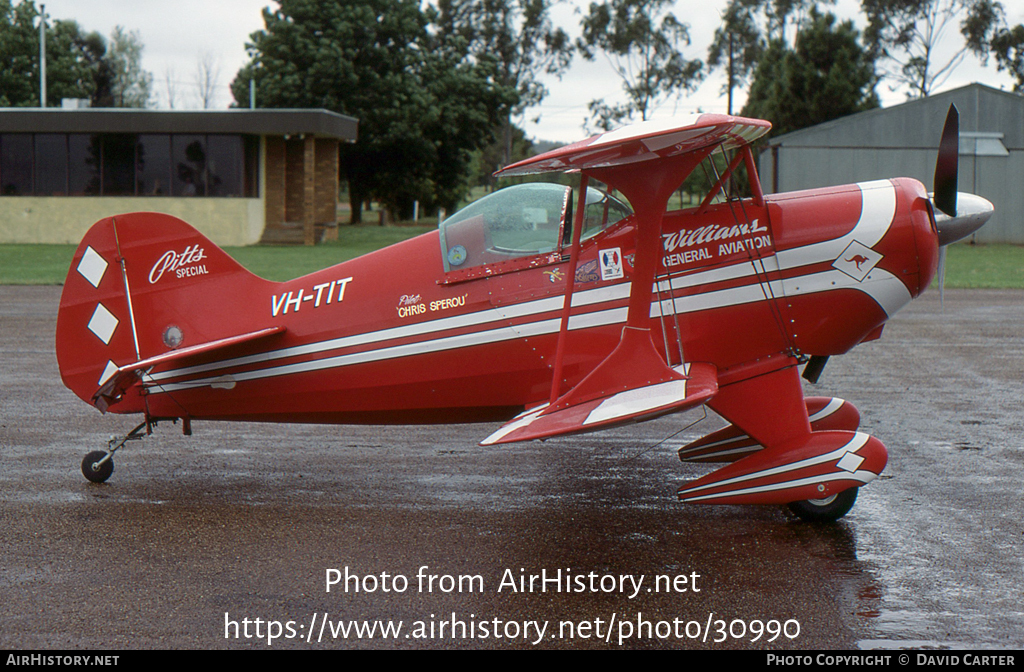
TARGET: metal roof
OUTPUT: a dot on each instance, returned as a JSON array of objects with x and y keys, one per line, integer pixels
[
  {"x": 917, "y": 123},
  {"x": 321, "y": 123}
]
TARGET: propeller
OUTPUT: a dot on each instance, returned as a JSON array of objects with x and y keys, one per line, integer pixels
[
  {"x": 947, "y": 165},
  {"x": 957, "y": 215}
]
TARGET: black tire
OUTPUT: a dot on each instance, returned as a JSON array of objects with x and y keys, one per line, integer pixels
[
  {"x": 100, "y": 474},
  {"x": 826, "y": 510}
]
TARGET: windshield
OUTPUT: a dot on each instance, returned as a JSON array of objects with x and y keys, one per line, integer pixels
[
  {"x": 602, "y": 211},
  {"x": 518, "y": 221},
  {"x": 521, "y": 221}
]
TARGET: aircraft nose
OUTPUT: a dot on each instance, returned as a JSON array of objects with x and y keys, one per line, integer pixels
[{"x": 971, "y": 214}]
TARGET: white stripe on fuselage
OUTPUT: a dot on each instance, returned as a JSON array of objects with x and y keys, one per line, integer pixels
[
  {"x": 877, "y": 213},
  {"x": 878, "y": 210}
]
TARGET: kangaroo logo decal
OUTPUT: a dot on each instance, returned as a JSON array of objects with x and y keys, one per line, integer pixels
[{"x": 857, "y": 260}]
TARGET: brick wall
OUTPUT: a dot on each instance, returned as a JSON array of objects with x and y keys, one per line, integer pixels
[
  {"x": 294, "y": 179},
  {"x": 274, "y": 181},
  {"x": 301, "y": 185},
  {"x": 326, "y": 180}
]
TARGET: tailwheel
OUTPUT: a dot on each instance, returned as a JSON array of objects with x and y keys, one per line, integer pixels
[
  {"x": 825, "y": 510},
  {"x": 96, "y": 468},
  {"x": 98, "y": 465}
]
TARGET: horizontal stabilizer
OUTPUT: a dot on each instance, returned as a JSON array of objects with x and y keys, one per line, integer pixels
[
  {"x": 116, "y": 380},
  {"x": 821, "y": 465},
  {"x": 731, "y": 443},
  {"x": 698, "y": 383}
]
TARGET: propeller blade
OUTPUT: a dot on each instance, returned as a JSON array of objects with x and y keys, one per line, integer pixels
[{"x": 946, "y": 166}]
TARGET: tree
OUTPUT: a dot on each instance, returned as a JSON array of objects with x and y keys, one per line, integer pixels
[
  {"x": 78, "y": 64},
  {"x": 641, "y": 39},
  {"x": 1007, "y": 44},
  {"x": 423, "y": 104},
  {"x": 988, "y": 34},
  {"x": 19, "y": 76},
  {"x": 71, "y": 58},
  {"x": 825, "y": 76},
  {"x": 500, "y": 152},
  {"x": 171, "y": 86},
  {"x": 207, "y": 76},
  {"x": 93, "y": 50},
  {"x": 130, "y": 84},
  {"x": 737, "y": 46},
  {"x": 748, "y": 26},
  {"x": 519, "y": 37},
  {"x": 905, "y": 35}
]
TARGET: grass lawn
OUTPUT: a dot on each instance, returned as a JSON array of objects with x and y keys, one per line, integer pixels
[
  {"x": 985, "y": 266},
  {"x": 48, "y": 264},
  {"x": 286, "y": 262},
  {"x": 967, "y": 266}
]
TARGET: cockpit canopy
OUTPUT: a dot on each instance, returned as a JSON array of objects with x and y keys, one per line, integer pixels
[{"x": 522, "y": 221}]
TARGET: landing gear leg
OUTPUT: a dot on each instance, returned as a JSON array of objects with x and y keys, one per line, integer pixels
[
  {"x": 825, "y": 510},
  {"x": 98, "y": 465}
]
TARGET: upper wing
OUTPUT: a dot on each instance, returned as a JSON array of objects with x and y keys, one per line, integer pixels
[{"x": 645, "y": 141}]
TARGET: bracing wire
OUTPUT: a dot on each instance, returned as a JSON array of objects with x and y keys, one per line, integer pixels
[{"x": 704, "y": 415}]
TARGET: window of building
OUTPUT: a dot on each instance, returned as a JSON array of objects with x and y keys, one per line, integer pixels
[
  {"x": 121, "y": 164},
  {"x": 84, "y": 153},
  {"x": 226, "y": 165},
  {"x": 251, "y": 151},
  {"x": 16, "y": 164},
  {"x": 153, "y": 165},
  {"x": 188, "y": 158},
  {"x": 51, "y": 164}
]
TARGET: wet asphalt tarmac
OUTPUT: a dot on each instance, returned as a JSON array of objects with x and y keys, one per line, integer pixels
[{"x": 191, "y": 536}]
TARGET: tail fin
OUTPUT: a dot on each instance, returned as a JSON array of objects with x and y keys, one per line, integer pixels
[{"x": 142, "y": 285}]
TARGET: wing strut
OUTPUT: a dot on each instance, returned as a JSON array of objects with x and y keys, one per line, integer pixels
[
  {"x": 648, "y": 192},
  {"x": 570, "y": 284},
  {"x": 646, "y": 162},
  {"x": 633, "y": 382}
]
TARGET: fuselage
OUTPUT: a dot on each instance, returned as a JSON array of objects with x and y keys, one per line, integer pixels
[{"x": 401, "y": 336}]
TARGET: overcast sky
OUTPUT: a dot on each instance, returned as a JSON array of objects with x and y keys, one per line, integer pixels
[{"x": 176, "y": 33}]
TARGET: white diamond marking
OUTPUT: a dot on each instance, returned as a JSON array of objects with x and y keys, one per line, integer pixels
[
  {"x": 110, "y": 370},
  {"x": 103, "y": 323},
  {"x": 850, "y": 462},
  {"x": 92, "y": 266},
  {"x": 857, "y": 260}
]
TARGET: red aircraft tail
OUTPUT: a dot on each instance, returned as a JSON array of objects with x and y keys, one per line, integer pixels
[{"x": 146, "y": 288}]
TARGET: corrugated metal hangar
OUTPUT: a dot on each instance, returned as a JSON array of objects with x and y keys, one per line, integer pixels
[{"x": 902, "y": 141}]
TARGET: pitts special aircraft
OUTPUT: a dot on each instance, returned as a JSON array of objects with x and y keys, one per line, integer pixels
[{"x": 555, "y": 312}]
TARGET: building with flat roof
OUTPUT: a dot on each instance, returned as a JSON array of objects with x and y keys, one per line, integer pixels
[{"x": 239, "y": 176}]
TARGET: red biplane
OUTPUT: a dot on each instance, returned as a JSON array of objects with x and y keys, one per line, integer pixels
[{"x": 555, "y": 310}]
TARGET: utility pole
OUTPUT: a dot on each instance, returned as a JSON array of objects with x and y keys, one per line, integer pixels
[
  {"x": 42, "y": 55},
  {"x": 731, "y": 82}
]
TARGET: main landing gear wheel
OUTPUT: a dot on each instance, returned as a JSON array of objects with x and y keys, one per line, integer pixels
[
  {"x": 95, "y": 469},
  {"x": 825, "y": 510}
]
